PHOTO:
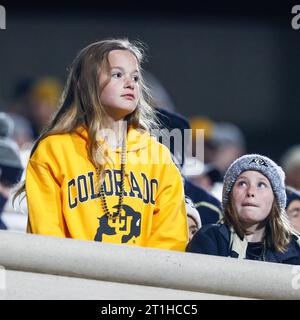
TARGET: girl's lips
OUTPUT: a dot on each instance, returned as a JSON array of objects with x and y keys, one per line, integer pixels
[
  {"x": 246, "y": 204},
  {"x": 128, "y": 96}
]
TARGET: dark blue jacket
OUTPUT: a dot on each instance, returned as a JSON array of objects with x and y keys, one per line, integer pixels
[
  {"x": 198, "y": 196},
  {"x": 214, "y": 239}
]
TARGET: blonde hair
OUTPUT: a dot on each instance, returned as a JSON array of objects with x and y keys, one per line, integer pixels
[
  {"x": 278, "y": 232},
  {"x": 81, "y": 106}
]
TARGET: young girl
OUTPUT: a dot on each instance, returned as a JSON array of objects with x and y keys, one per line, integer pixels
[
  {"x": 255, "y": 225},
  {"x": 93, "y": 174}
]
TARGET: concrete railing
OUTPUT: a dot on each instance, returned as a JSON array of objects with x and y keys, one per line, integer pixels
[{"x": 33, "y": 254}]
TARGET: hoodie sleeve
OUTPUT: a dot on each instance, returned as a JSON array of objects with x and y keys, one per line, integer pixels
[
  {"x": 169, "y": 224},
  {"x": 44, "y": 202}
]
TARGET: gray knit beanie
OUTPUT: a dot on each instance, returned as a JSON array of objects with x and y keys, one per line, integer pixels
[{"x": 259, "y": 163}]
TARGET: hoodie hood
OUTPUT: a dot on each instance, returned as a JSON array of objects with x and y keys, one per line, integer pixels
[{"x": 136, "y": 139}]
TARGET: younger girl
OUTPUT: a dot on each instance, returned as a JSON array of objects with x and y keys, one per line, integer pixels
[
  {"x": 255, "y": 225},
  {"x": 93, "y": 174}
]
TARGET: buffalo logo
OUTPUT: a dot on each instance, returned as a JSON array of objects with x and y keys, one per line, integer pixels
[
  {"x": 130, "y": 221},
  {"x": 259, "y": 161}
]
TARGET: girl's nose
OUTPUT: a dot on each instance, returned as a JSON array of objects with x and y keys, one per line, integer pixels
[
  {"x": 250, "y": 192},
  {"x": 129, "y": 82}
]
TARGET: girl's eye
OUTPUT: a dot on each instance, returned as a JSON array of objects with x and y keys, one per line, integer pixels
[
  {"x": 241, "y": 183},
  {"x": 294, "y": 213},
  {"x": 117, "y": 75},
  {"x": 262, "y": 185},
  {"x": 136, "y": 78}
]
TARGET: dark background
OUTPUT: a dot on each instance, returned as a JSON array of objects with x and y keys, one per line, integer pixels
[{"x": 230, "y": 61}]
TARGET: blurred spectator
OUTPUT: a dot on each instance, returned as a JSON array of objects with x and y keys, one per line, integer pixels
[
  {"x": 224, "y": 142},
  {"x": 34, "y": 103},
  {"x": 160, "y": 96},
  {"x": 194, "y": 221},
  {"x": 10, "y": 163},
  {"x": 228, "y": 142},
  {"x": 21, "y": 98},
  {"x": 208, "y": 206},
  {"x": 15, "y": 217},
  {"x": 202, "y": 175},
  {"x": 44, "y": 100},
  {"x": 169, "y": 121},
  {"x": 291, "y": 165},
  {"x": 207, "y": 125},
  {"x": 293, "y": 207},
  {"x": 22, "y": 133},
  {"x": 6, "y": 126}
]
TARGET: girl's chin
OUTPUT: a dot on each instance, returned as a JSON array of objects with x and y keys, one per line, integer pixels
[
  {"x": 119, "y": 113},
  {"x": 250, "y": 216},
  {"x": 250, "y": 220}
]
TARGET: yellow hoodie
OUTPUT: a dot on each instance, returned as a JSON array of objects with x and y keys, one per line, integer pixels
[{"x": 63, "y": 201}]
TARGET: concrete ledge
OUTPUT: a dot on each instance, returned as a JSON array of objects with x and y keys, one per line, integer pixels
[
  {"x": 147, "y": 267},
  {"x": 35, "y": 286}
]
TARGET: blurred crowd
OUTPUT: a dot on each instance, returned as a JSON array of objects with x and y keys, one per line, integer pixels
[{"x": 32, "y": 104}]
